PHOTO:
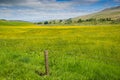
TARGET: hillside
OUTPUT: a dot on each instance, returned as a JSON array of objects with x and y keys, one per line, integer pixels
[
  {"x": 113, "y": 13},
  {"x": 14, "y": 23},
  {"x": 106, "y": 16}
]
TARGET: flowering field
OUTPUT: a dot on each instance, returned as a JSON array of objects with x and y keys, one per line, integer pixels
[{"x": 75, "y": 52}]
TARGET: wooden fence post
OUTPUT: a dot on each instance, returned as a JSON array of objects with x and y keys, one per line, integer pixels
[{"x": 46, "y": 62}]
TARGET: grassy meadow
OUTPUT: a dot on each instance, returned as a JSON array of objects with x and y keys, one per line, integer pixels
[{"x": 75, "y": 52}]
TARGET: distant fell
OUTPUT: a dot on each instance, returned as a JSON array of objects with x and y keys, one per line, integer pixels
[{"x": 113, "y": 13}]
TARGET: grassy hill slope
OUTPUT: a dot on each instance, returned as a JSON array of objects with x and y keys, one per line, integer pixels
[
  {"x": 14, "y": 23},
  {"x": 113, "y": 13}
]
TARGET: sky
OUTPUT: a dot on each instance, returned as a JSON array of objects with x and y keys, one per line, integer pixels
[{"x": 41, "y": 10}]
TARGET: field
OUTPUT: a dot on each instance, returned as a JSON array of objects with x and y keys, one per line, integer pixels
[{"x": 75, "y": 52}]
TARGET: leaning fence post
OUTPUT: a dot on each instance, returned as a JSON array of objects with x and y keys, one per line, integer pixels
[{"x": 46, "y": 62}]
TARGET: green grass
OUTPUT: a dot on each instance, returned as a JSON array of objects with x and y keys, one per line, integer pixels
[
  {"x": 77, "y": 53},
  {"x": 14, "y": 23}
]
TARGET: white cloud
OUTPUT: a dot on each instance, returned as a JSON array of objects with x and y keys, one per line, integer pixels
[
  {"x": 44, "y": 3},
  {"x": 34, "y": 14},
  {"x": 41, "y": 9}
]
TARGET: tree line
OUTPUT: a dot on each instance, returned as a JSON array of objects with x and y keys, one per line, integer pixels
[{"x": 80, "y": 21}]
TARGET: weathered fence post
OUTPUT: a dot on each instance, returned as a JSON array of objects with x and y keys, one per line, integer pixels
[{"x": 46, "y": 62}]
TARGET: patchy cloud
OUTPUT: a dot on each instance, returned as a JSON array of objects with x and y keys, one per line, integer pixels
[
  {"x": 45, "y": 3},
  {"x": 45, "y": 9}
]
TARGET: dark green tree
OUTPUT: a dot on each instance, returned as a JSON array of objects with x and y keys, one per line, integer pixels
[
  {"x": 46, "y": 22},
  {"x": 60, "y": 21},
  {"x": 91, "y": 19},
  {"x": 108, "y": 19},
  {"x": 79, "y": 21}
]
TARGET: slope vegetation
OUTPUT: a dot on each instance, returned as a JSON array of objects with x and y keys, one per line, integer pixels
[
  {"x": 14, "y": 23},
  {"x": 113, "y": 13}
]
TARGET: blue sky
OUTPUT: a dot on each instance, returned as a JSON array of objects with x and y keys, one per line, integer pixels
[{"x": 39, "y": 10}]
